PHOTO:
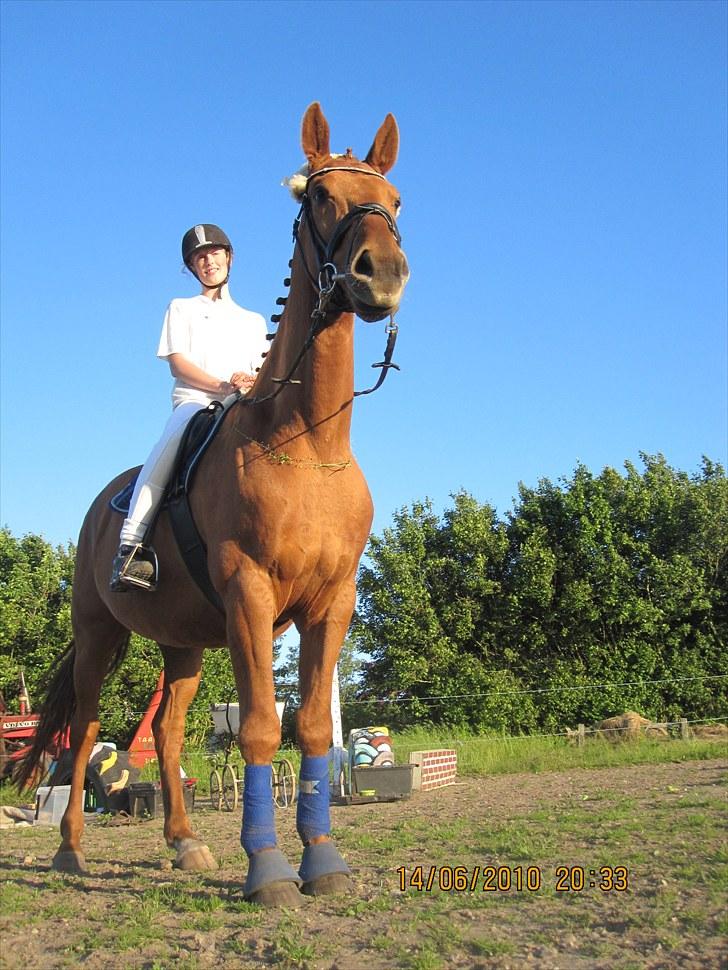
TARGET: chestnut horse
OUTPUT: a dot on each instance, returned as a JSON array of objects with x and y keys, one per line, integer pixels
[{"x": 284, "y": 511}]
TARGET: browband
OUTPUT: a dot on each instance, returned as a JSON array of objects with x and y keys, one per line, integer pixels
[{"x": 343, "y": 168}]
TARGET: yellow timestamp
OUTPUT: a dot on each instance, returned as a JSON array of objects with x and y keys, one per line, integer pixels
[{"x": 504, "y": 879}]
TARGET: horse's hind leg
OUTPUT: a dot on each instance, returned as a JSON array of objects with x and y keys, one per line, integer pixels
[
  {"x": 182, "y": 669},
  {"x": 96, "y": 644}
]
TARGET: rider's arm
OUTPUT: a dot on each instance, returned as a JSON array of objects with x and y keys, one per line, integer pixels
[{"x": 195, "y": 376}]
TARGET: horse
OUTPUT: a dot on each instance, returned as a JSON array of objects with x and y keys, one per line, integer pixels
[{"x": 284, "y": 511}]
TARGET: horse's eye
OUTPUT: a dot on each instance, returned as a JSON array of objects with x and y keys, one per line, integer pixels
[
  {"x": 397, "y": 206},
  {"x": 320, "y": 195}
]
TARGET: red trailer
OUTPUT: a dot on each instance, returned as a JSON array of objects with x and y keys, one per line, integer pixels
[{"x": 18, "y": 730}]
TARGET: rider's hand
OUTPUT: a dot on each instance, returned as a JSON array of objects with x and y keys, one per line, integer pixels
[
  {"x": 225, "y": 389},
  {"x": 242, "y": 381}
]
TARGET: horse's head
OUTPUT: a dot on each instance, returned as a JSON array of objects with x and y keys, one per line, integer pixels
[{"x": 351, "y": 212}]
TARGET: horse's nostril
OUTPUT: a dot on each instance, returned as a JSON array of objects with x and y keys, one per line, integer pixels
[{"x": 363, "y": 265}]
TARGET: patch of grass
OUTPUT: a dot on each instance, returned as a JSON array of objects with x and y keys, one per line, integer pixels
[
  {"x": 381, "y": 943},
  {"x": 15, "y": 898},
  {"x": 291, "y": 951},
  {"x": 361, "y": 907},
  {"x": 202, "y": 922},
  {"x": 490, "y": 948},
  {"x": 424, "y": 957},
  {"x": 518, "y": 841},
  {"x": 176, "y": 899}
]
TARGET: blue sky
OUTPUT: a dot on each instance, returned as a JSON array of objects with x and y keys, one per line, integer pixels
[{"x": 563, "y": 171}]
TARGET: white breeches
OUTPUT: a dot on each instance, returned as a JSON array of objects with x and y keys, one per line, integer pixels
[{"x": 154, "y": 476}]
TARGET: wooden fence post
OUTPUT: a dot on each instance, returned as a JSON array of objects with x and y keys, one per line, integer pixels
[
  {"x": 684, "y": 729},
  {"x": 580, "y": 735}
]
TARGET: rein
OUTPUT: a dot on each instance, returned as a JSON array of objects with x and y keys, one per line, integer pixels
[{"x": 328, "y": 276}]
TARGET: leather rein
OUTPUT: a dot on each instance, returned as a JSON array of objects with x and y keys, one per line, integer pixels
[{"x": 327, "y": 276}]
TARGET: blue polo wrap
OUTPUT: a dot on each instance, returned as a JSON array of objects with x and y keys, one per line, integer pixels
[
  {"x": 258, "y": 830},
  {"x": 312, "y": 815}
]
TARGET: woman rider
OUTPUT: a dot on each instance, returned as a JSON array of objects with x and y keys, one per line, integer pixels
[{"x": 213, "y": 347}]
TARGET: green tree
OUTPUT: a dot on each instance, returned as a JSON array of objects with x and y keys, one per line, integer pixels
[
  {"x": 430, "y": 616},
  {"x": 35, "y": 609},
  {"x": 35, "y": 629},
  {"x": 595, "y": 580}
]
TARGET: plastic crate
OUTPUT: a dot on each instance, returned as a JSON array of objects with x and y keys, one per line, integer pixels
[{"x": 50, "y": 804}]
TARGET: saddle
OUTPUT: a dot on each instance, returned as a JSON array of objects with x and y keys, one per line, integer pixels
[{"x": 199, "y": 433}]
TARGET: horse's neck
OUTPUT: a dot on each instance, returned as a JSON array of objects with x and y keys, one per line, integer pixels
[{"x": 317, "y": 412}]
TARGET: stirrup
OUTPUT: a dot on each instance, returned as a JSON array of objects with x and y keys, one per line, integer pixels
[{"x": 129, "y": 556}]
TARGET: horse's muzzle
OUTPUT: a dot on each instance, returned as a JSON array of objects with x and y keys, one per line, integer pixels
[{"x": 375, "y": 282}]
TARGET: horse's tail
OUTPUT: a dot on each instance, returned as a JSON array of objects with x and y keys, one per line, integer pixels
[{"x": 56, "y": 714}]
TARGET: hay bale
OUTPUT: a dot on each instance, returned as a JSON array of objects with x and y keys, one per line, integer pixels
[
  {"x": 623, "y": 727},
  {"x": 710, "y": 732}
]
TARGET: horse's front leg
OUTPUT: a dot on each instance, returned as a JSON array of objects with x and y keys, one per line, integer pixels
[
  {"x": 182, "y": 670},
  {"x": 271, "y": 880},
  {"x": 323, "y": 871}
]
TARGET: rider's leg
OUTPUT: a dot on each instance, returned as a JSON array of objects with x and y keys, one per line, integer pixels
[{"x": 147, "y": 495}]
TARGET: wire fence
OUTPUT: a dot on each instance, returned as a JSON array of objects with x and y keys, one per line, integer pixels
[
  {"x": 596, "y": 730},
  {"x": 531, "y": 690},
  {"x": 436, "y": 698}
]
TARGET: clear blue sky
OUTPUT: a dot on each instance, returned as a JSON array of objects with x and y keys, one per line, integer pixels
[{"x": 563, "y": 170}]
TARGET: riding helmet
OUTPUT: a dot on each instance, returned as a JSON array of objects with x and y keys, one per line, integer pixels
[{"x": 201, "y": 237}]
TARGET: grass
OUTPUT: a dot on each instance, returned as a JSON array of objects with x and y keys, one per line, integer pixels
[{"x": 505, "y": 755}]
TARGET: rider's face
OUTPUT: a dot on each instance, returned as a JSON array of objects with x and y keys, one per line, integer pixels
[{"x": 211, "y": 266}]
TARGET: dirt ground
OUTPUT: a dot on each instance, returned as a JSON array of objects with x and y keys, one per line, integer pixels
[{"x": 566, "y": 834}]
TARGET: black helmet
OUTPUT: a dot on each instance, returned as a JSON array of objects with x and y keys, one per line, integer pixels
[{"x": 201, "y": 237}]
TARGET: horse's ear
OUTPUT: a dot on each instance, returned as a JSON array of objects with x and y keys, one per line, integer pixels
[
  {"x": 383, "y": 153},
  {"x": 315, "y": 133}
]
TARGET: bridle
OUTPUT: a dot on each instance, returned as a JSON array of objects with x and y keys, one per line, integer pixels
[
  {"x": 326, "y": 275},
  {"x": 327, "y": 272}
]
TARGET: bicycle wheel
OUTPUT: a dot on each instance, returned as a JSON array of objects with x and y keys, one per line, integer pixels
[
  {"x": 229, "y": 788},
  {"x": 215, "y": 789},
  {"x": 284, "y": 783}
]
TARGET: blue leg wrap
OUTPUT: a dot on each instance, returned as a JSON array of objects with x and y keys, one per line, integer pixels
[
  {"x": 312, "y": 814},
  {"x": 258, "y": 830},
  {"x": 319, "y": 860}
]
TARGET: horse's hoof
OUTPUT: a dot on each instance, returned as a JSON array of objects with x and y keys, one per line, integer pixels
[
  {"x": 323, "y": 872},
  {"x": 271, "y": 881},
  {"x": 332, "y": 884},
  {"x": 69, "y": 860},
  {"x": 193, "y": 854},
  {"x": 277, "y": 894}
]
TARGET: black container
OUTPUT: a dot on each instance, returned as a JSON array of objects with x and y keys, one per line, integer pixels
[{"x": 145, "y": 799}]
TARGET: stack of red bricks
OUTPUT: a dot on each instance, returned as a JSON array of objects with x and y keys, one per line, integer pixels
[{"x": 434, "y": 769}]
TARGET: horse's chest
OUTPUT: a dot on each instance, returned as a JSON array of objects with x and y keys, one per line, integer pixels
[{"x": 319, "y": 532}]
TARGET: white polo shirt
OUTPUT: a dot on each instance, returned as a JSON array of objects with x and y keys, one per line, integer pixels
[{"x": 217, "y": 335}]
